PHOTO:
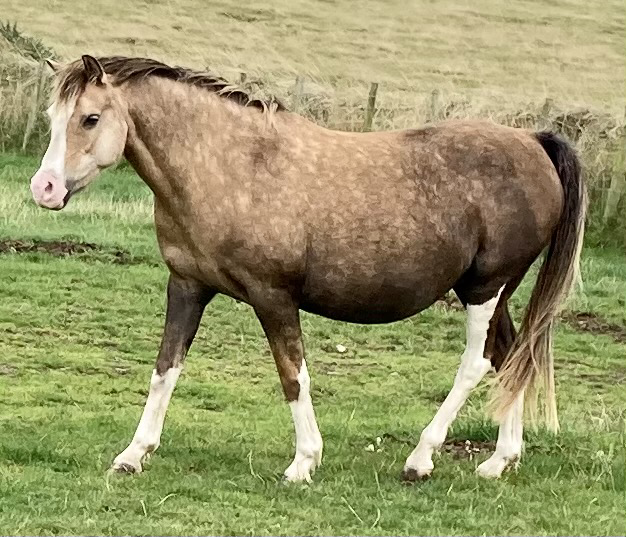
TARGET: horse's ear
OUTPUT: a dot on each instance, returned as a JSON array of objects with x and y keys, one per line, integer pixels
[
  {"x": 54, "y": 66},
  {"x": 93, "y": 69}
]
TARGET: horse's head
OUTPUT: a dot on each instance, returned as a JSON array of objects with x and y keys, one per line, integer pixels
[{"x": 88, "y": 133}]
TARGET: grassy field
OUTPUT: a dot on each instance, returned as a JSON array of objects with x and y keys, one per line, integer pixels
[
  {"x": 570, "y": 50},
  {"x": 79, "y": 335}
]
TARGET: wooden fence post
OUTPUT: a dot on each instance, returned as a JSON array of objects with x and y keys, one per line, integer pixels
[
  {"x": 546, "y": 109},
  {"x": 434, "y": 105},
  {"x": 371, "y": 107},
  {"x": 617, "y": 185},
  {"x": 34, "y": 110}
]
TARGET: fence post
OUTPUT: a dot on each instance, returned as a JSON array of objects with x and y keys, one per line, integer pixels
[
  {"x": 617, "y": 186},
  {"x": 434, "y": 105},
  {"x": 32, "y": 116},
  {"x": 242, "y": 78},
  {"x": 545, "y": 113},
  {"x": 371, "y": 107}
]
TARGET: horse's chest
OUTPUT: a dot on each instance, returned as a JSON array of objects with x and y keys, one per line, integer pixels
[
  {"x": 179, "y": 254},
  {"x": 179, "y": 259},
  {"x": 203, "y": 255}
]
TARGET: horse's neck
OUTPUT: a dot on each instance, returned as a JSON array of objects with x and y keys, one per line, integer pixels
[{"x": 181, "y": 137}]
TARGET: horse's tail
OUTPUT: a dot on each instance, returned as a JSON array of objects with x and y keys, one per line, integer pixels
[{"x": 529, "y": 364}]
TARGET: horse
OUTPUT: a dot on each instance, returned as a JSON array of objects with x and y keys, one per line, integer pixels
[{"x": 264, "y": 206}]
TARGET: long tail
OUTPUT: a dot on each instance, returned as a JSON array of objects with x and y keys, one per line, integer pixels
[{"x": 529, "y": 365}]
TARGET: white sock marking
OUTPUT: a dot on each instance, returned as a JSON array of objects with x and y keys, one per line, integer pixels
[
  {"x": 308, "y": 438},
  {"x": 509, "y": 445},
  {"x": 473, "y": 368},
  {"x": 148, "y": 434}
]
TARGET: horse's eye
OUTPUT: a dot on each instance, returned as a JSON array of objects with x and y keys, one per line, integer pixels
[{"x": 91, "y": 121}]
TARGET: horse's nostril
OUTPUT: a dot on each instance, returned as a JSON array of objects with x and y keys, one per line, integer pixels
[{"x": 49, "y": 187}]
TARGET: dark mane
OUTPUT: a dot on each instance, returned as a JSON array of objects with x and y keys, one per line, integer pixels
[{"x": 73, "y": 79}]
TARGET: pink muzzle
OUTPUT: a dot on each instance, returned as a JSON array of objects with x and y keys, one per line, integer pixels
[{"x": 48, "y": 190}]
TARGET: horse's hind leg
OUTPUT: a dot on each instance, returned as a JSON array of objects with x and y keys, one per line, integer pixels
[
  {"x": 509, "y": 445},
  {"x": 474, "y": 365},
  {"x": 510, "y": 432},
  {"x": 280, "y": 320},
  {"x": 185, "y": 304}
]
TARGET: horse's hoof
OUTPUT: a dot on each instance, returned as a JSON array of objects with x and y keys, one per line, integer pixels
[
  {"x": 491, "y": 469},
  {"x": 412, "y": 475},
  {"x": 125, "y": 468},
  {"x": 297, "y": 476}
]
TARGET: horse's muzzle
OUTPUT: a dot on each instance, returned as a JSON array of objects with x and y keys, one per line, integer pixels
[{"x": 49, "y": 191}]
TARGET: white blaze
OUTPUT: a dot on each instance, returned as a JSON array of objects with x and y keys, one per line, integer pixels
[{"x": 54, "y": 159}]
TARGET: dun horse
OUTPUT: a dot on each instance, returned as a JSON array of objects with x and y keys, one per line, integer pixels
[{"x": 259, "y": 204}]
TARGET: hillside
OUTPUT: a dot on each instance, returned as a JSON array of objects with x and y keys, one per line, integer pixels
[{"x": 488, "y": 51}]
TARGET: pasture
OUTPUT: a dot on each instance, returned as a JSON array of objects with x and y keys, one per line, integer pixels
[
  {"x": 80, "y": 330},
  {"x": 82, "y": 292}
]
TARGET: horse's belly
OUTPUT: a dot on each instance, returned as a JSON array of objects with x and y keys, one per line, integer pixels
[
  {"x": 382, "y": 298},
  {"x": 355, "y": 311}
]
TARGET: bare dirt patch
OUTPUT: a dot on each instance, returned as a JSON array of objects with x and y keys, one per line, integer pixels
[
  {"x": 67, "y": 248},
  {"x": 584, "y": 321},
  {"x": 457, "y": 447},
  {"x": 590, "y": 322},
  {"x": 467, "y": 449}
]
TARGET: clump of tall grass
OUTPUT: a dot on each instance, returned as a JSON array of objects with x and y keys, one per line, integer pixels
[
  {"x": 25, "y": 45},
  {"x": 23, "y": 90}
]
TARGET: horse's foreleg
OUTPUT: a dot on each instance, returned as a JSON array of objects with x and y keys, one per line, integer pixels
[
  {"x": 185, "y": 304},
  {"x": 282, "y": 326},
  {"x": 473, "y": 368}
]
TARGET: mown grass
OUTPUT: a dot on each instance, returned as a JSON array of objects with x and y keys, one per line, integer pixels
[{"x": 78, "y": 341}]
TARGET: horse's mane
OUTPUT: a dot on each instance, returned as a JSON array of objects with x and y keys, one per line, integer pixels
[{"x": 72, "y": 79}]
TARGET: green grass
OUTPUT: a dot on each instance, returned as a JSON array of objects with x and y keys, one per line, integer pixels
[{"x": 78, "y": 338}]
